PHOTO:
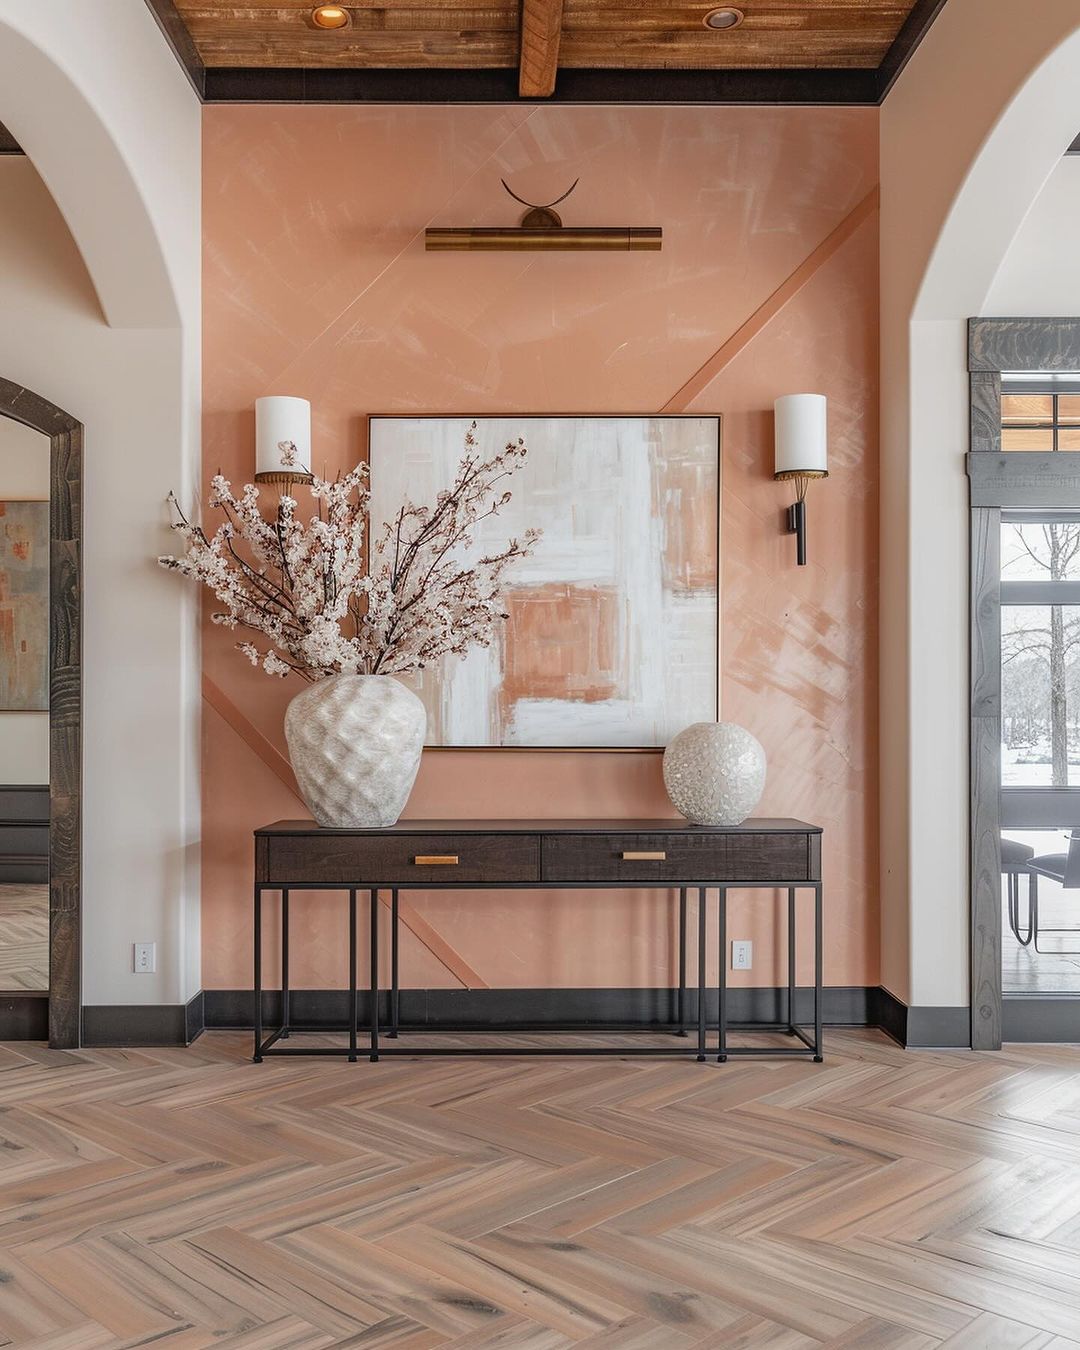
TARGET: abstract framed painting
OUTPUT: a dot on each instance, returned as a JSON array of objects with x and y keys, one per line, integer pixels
[
  {"x": 24, "y": 606},
  {"x": 611, "y": 640}
]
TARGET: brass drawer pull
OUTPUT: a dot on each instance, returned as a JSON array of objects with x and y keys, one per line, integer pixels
[
  {"x": 661, "y": 856},
  {"x": 436, "y": 860}
]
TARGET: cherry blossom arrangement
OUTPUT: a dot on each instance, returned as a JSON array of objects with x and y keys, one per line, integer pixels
[{"x": 322, "y": 606}]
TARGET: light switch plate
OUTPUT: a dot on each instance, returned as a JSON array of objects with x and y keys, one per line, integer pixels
[
  {"x": 742, "y": 955},
  {"x": 145, "y": 958}
]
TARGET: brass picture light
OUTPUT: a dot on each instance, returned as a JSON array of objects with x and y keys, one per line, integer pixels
[{"x": 541, "y": 229}]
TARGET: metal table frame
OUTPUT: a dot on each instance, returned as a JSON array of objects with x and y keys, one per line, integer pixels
[{"x": 377, "y": 1032}]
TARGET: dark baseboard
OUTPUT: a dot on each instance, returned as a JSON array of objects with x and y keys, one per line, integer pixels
[
  {"x": 24, "y": 1017},
  {"x": 938, "y": 1028},
  {"x": 194, "y": 1017},
  {"x": 143, "y": 1023},
  {"x": 922, "y": 1028},
  {"x": 510, "y": 1009},
  {"x": 1041, "y": 1018}
]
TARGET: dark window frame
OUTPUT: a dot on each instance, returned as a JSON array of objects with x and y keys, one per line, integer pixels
[{"x": 1002, "y": 482}]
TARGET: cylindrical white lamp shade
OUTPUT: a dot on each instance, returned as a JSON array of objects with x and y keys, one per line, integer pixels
[
  {"x": 282, "y": 438},
  {"x": 801, "y": 435}
]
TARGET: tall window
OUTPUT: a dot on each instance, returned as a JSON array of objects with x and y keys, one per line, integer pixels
[{"x": 1040, "y": 649}]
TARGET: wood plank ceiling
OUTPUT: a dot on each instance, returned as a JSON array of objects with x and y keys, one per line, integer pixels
[
  {"x": 457, "y": 34},
  {"x": 540, "y": 38}
]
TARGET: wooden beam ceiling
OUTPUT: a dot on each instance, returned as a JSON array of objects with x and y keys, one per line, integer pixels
[
  {"x": 538, "y": 61},
  {"x": 651, "y": 51}
]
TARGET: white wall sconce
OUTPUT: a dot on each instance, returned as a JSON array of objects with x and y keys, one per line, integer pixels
[
  {"x": 801, "y": 454},
  {"x": 282, "y": 440}
]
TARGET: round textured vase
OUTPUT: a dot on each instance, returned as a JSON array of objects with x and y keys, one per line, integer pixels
[
  {"x": 714, "y": 773},
  {"x": 355, "y": 743}
]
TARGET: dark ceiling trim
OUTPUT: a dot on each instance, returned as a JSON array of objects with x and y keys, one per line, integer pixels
[
  {"x": 435, "y": 85},
  {"x": 180, "y": 40},
  {"x": 1074, "y": 149},
  {"x": 8, "y": 144},
  {"x": 912, "y": 31}
]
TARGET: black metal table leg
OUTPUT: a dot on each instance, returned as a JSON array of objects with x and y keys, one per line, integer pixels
[
  {"x": 394, "y": 991},
  {"x": 374, "y": 1045},
  {"x": 681, "y": 1017},
  {"x": 721, "y": 985},
  {"x": 791, "y": 940},
  {"x": 284, "y": 965},
  {"x": 257, "y": 1011},
  {"x": 818, "y": 959},
  {"x": 352, "y": 977},
  {"x": 701, "y": 1052}
]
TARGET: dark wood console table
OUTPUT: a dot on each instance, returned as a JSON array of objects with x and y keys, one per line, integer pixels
[{"x": 546, "y": 855}]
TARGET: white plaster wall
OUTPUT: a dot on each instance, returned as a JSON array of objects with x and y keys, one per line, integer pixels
[
  {"x": 970, "y": 133},
  {"x": 1040, "y": 274},
  {"x": 24, "y": 477},
  {"x": 109, "y": 121}
]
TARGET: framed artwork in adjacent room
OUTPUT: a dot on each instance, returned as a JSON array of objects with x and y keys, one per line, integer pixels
[
  {"x": 24, "y": 606},
  {"x": 612, "y": 635}
]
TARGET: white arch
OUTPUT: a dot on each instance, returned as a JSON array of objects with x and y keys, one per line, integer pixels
[
  {"x": 69, "y": 109},
  {"x": 1021, "y": 149},
  {"x": 113, "y": 135},
  {"x": 969, "y": 135}
]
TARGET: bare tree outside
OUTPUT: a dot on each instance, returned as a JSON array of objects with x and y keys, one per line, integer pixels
[{"x": 1039, "y": 647}]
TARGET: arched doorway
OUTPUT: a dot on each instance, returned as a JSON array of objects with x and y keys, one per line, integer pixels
[{"x": 65, "y": 701}]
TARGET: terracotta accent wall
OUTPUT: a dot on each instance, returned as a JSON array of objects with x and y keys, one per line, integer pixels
[{"x": 316, "y": 284}]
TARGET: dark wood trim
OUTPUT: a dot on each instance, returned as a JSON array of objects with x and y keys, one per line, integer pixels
[
  {"x": 843, "y": 88},
  {"x": 65, "y": 703},
  {"x": 8, "y": 144},
  {"x": 914, "y": 28},
  {"x": 176, "y": 34}
]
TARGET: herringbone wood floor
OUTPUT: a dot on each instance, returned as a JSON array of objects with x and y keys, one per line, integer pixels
[{"x": 884, "y": 1199}]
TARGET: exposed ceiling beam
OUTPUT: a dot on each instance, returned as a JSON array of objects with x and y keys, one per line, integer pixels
[
  {"x": 912, "y": 31},
  {"x": 538, "y": 64},
  {"x": 180, "y": 40}
]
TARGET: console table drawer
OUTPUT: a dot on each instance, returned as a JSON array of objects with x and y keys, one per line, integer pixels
[
  {"x": 678, "y": 857},
  {"x": 399, "y": 859}
]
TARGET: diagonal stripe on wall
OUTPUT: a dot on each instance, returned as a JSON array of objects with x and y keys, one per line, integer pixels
[
  {"x": 766, "y": 312},
  {"x": 277, "y": 763}
]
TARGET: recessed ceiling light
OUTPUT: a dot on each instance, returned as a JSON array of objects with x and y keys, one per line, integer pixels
[
  {"x": 724, "y": 18},
  {"x": 330, "y": 16}
]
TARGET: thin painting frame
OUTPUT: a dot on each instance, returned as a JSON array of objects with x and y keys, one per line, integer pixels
[{"x": 714, "y": 420}]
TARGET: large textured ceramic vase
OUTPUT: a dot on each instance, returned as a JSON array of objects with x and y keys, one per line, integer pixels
[
  {"x": 355, "y": 743},
  {"x": 714, "y": 773}
]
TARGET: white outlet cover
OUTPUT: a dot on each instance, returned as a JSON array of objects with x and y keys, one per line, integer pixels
[
  {"x": 145, "y": 958},
  {"x": 742, "y": 955}
]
